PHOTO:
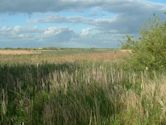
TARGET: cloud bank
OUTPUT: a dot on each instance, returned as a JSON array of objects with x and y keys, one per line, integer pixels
[{"x": 97, "y": 31}]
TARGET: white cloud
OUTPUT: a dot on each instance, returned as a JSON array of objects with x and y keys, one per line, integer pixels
[
  {"x": 53, "y": 36},
  {"x": 17, "y": 29},
  {"x": 18, "y": 36},
  {"x": 86, "y": 31},
  {"x": 51, "y": 31}
]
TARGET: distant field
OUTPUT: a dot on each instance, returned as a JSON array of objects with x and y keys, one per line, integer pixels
[
  {"x": 15, "y": 52},
  {"x": 60, "y": 55}
]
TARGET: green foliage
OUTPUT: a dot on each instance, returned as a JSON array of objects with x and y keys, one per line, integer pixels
[{"x": 149, "y": 51}]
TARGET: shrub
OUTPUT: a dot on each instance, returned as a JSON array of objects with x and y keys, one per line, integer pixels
[{"x": 149, "y": 50}]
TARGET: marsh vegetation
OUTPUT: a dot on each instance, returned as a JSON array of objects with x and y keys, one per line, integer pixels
[{"x": 87, "y": 87}]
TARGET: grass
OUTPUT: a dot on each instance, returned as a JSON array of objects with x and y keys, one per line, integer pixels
[{"x": 79, "y": 92}]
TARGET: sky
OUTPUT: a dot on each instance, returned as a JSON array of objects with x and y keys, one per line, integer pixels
[{"x": 74, "y": 23}]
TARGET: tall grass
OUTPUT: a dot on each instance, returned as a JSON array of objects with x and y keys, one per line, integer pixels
[{"x": 80, "y": 94}]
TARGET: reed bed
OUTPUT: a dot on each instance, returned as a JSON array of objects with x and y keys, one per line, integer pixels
[{"x": 87, "y": 93}]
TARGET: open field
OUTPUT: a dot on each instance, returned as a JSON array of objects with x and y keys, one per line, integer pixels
[
  {"x": 16, "y": 52},
  {"x": 79, "y": 87},
  {"x": 60, "y": 56}
]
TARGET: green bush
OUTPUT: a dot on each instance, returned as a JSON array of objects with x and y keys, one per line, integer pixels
[{"x": 149, "y": 50}]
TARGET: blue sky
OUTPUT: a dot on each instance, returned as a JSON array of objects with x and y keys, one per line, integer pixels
[
  {"x": 73, "y": 23},
  {"x": 159, "y": 1}
]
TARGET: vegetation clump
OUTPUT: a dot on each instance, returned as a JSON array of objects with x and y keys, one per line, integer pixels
[{"x": 149, "y": 50}]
